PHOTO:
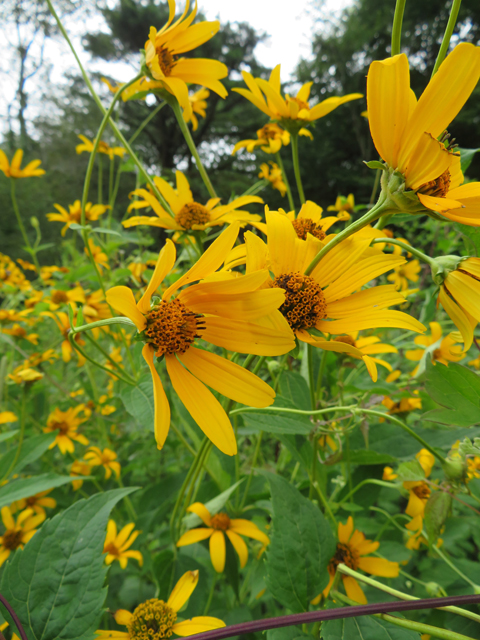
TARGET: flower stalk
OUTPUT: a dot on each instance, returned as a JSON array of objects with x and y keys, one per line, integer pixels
[
  {"x": 452, "y": 21},
  {"x": 296, "y": 167},
  {"x": 397, "y": 26}
]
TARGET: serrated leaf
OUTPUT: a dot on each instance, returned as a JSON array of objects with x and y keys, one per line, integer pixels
[
  {"x": 138, "y": 401},
  {"x": 301, "y": 547},
  {"x": 26, "y": 487},
  {"x": 458, "y": 390},
  {"x": 294, "y": 387},
  {"x": 467, "y": 447},
  {"x": 56, "y": 583},
  {"x": 365, "y": 628},
  {"x": 214, "y": 506},
  {"x": 32, "y": 449},
  {"x": 279, "y": 424}
]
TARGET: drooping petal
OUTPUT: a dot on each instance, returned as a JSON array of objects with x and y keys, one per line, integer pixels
[
  {"x": 354, "y": 590},
  {"x": 379, "y": 567},
  {"x": 165, "y": 262},
  {"x": 122, "y": 300},
  {"x": 441, "y": 205},
  {"x": 466, "y": 291},
  {"x": 201, "y": 511},
  {"x": 247, "y": 337},
  {"x": 194, "y": 535},
  {"x": 218, "y": 551},
  {"x": 162, "y": 408},
  {"x": 239, "y": 546},
  {"x": 345, "y": 530},
  {"x": 183, "y": 590},
  {"x": 196, "y": 625},
  {"x": 193, "y": 37},
  {"x": 388, "y": 91},
  {"x": 202, "y": 405},
  {"x": 372, "y": 320},
  {"x": 249, "y": 529}
]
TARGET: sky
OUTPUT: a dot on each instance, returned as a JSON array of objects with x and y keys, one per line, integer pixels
[{"x": 288, "y": 24}]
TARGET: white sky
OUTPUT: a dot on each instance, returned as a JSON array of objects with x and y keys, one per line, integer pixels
[{"x": 289, "y": 25}]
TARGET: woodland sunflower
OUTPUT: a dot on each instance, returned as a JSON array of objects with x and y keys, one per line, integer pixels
[
  {"x": 169, "y": 71},
  {"x": 156, "y": 619},
  {"x": 106, "y": 458},
  {"x": 370, "y": 346},
  {"x": 17, "y": 533},
  {"x": 74, "y": 213},
  {"x": 37, "y": 503},
  {"x": 216, "y": 527},
  {"x": 12, "y": 170},
  {"x": 439, "y": 348},
  {"x": 66, "y": 423},
  {"x": 271, "y": 171},
  {"x": 290, "y": 112},
  {"x": 352, "y": 549},
  {"x": 117, "y": 544},
  {"x": 103, "y": 147},
  {"x": 459, "y": 295},
  {"x": 270, "y": 138},
  {"x": 63, "y": 323},
  {"x": 330, "y": 299},
  {"x": 404, "y": 405},
  {"x": 223, "y": 312},
  {"x": 189, "y": 214},
  {"x": 198, "y": 100},
  {"x": 411, "y": 136},
  {"x": 344, "y": 205},
  {"x": 404, "y": 274},
  {"x": 418, "y": 494}
]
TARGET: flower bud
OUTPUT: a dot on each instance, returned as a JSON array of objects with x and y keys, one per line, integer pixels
[
  {"x": 444, "y": 265},
  {"x": 398, "y": 197},
  {"x": 455, "y": 469},
  {"x": 435, "y": 590}
]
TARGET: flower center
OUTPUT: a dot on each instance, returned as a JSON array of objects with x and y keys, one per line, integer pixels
[
  {"x": 269, "y": 131},
  {"x": 422, "y": 491},
  {"x": 12, "y": 539},
  {"x": 220, "y": 521},
  {"x": 346, "y": 339},
  {"x": 172, "y": 328},
  {"x": 437, "y": 188},
  {"x": 304, "y": 302},
  {"x": 301, "y": 103},
  {"x": 59, "y": 296},
  {"x": 166, "y": 60},
  {"x": 63, "y": 427},
  {"x": 111, "y": 548},
  {"x": 346, "y": 555},
  {"x": 151, "y": 620},
  {"x": 305, "y": 225},
  {"x": 192, "y": 213},
  {"x": 437, "y": 354}
]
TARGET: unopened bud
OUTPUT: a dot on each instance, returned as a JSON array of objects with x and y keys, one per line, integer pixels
[
  {"x": 435, "y": 590},
  {"x": 455, "y": 469},
  {"x": 34, "y": 222}
]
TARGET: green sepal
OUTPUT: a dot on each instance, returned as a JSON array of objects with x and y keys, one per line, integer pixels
[{"x": 375, "y": 164}]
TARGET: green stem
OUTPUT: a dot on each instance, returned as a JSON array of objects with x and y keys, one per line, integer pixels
[
  {"x": 454, "y": 568},
  {"x": 77, "y": 347},
  {"x": 191, "y": 145},
  {"x": 383, "y": 220},
  {"x": 102, "y": 323},
  {"x": 311, "y": 381},
  {"x": 397, "y": 26},
  {"x": 313, "y": 476},
  {"x": 118, "y": 134},
  {"x": 452, "y": 20},
  {"x": 30, "y": 249},
  {"x": 279, "y": 160},
  {"x": 146, "y": 121},
  {"x": 210, "y": 595},
  {"x": 416, "y": 252},
  {"x": 320, "y": 374},
  {"x": 418, "y": 627},
  {"x": 250, "y": 477},
  {"x": 380, "y": 483},
  {"x": 296, "y": 167},
  {"x": 399, "y": 594},
  {"x": 100, "y": 176},
  {"x": 198, "y": 471},
  {"x": 23, "y": 411},
  {"x": 389, "y": 519},
  {"x": 375, "y": 187},
  {"x": 111, "y": 178},
  {"x": 255, "y": 188},
  {"x": 324, "y": 501},
  {"x": 374, "y": 213},
  {"x": 301, "y": 412}
]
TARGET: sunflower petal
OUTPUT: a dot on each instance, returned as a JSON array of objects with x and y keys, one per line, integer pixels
[
  {"x": 162, "y": 408},
  {"x": 354, "y": 590},
  {"x": 122, "y": 300},
  {"x": 201, "y": 511},
  {"x": 183, "y": 590},
  {"x": 165, "y": 262},
  {"x": 199, "y": 624},
  {"x": 194, "y": 535},
  {"x": 239, "y": 546}
]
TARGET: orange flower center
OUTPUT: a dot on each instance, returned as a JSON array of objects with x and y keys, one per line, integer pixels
[
  {"x": 151, "y": 620},
  {"x": 12, "y": 539},
  {"x": 437, "y": 188},
  {"x": 304, "y": 302},
  {"x": 301, "y": 103},
  {"x": 270, "y": 131},
  {"x": 63, "y": 427},
  {"x": 422, "y": 491},
  {"x": 166, "y": 60},
  {"x": 192, "y": 213},
  {"x": 220, "y": 521},
  {"x": 59, "y": 296},
  {"x": 172, "y": 328},
  {"x": 344, "y": 554},
  {"x": 346, "y": 339},
  {"x": 303, "y": 226},
  {"x": 112, "y": 548}
]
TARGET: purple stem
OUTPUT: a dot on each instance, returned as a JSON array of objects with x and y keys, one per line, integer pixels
[
  {"x": 334, "y": 614},
  {"x": 8, "y": 607}
]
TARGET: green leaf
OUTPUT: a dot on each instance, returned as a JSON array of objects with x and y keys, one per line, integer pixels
[
  {"x": 56, "y": 583},
  {"x": 473, "y": 233},
  {"x": 466, "y": 157},
  {"x": 467, "y": 447},
  {"x": 287, "y": 633},
  {"x": 7, "y": 435},
  {"x": 294, "y": 387},
  {"x": 105, "y": 230},
  {"x": 32, "y": 449},
  {"x": 139, "y": 403},
  {"x": 78, "y": 227},
  {"x": 410, "y": 471},
  {"x": 365, "y": 628},
  {"x": 26, "y": 487},
  {"x": 214, "y": 506},
  {"x": 437, "y": 510},
  {"x": 364, "y": 456},
  {"x": 301, "y": 547},
  {"x": 375, "y": 164},
  {"x": 458, "y": 390},
  {"x": 280, "y": 424}
]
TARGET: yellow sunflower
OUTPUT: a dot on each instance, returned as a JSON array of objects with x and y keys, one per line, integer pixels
[
  {"x": 271, "y": 171},
  {"x": 404, "y": 405},
  {"x": 74, "y": 214},
  {"x": 440, "y": 349},
  {"x": 352, "y": 549},
  {"x": 12, "y": 170},
  {"x": 330, "y": 299},
  {"x": 63, "y": 323},
  {"x": 66, "y": 423},
  {"x": 79, "y": 468},
  {"x": 223, "y": 312},
  {"x": 37, "y": 503},
  {"x": 270, "y": 138},
  {"x": 370, "y": 346},
  {"x": 117, "y": 545},
  {"x": 410, "y": 136},
  {"x": 344, "y": 205},
  {"x": 198, "y": 100},
  {"x": 156, "y": 619},
  {"x": 418, "y": 495},
  {"x": 460, "y": 297},
  {"x": 103, "y": 147},
  {"x": 288, "y": 111},
  {"x": 99, "y": 256},
  {"x": 404, "y": 274},
  {"x": 216, "y": 528},
  {"x": 169, "y": 71},
  {"x": 189, "y": 215},
  {"x": 106, "y": 458},
  {"x": 17, "y": 533},
  {"x": 7, "y": 416}
]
